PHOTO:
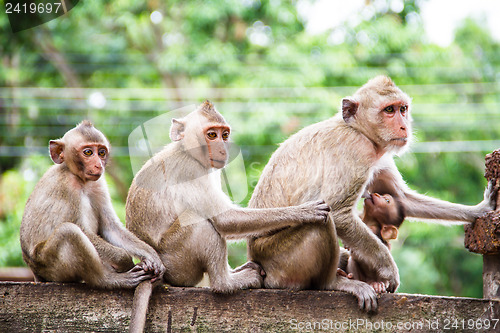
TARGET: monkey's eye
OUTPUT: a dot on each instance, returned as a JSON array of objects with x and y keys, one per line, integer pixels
[
  {"x": 225, "y": 136},
  {"x": 389, "y": 109},
  {"x": 403, "y": 109},
  {"x": 102, "y": 152},
  {"x": 387, "y": 200},
  {"x": 211, "y": 135},
  {"x": 87, "y": 152}
]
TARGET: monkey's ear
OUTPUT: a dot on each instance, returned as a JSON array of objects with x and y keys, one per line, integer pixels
[
  {"x": 349, "y": 108},
  {"x": 389, "y": 232},
  {"x": 177, "y": 130},
  {"x": 56, "y": 148}
]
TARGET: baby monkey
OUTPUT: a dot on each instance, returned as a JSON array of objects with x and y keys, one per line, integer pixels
[{"x": 383, "y": 214}]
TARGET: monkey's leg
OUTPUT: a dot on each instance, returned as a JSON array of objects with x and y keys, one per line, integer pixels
[
  {"x": 69, "y": 256},
  {"x": 296, "y": 258},
  {"x": 115, "y": 257},
  {"x": 222, "y": 279},
  {"x": 370, "y": 251},
  {"x": 344, "y": 258},
  {"x": 367, "y": 298}
]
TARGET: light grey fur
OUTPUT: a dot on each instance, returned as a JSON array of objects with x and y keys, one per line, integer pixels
[
  {"x": 176, "y": 205},
  {"x": 335, "y": 160},
  {"x": 71, "y": 233}
]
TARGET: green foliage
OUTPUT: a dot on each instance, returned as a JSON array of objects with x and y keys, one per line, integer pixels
[
  {"x": 269, "y": 78},
  {"x": 14, "y": 192}
]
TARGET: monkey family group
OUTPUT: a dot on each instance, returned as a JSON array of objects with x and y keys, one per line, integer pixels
[{"x": 178, "y": 219}]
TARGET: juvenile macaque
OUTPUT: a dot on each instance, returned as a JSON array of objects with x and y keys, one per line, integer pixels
[
  {"x": 383, "y": 214},
  {"x": 336, "y": 159},
  {"x": 177, "y": 206},
  {"x": 70, "y": 232}
]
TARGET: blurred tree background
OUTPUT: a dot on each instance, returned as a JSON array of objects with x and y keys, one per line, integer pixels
[{"x": 121, "y": 63}]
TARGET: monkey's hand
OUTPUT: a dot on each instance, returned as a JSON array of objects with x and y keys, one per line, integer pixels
[
  {"x": 379, "y": 287},
  {"x": 154, "y": 267},
  {"x": 341, "y": 272},
  {"x": 389, "y": 277},
  {"x": 367, "y": 298},
  {"x": 382, "y": 265},
  {"x": 314, "y": 211},
  {"x": 489, "y": 202},
  {"x": 251, "y": 265},
  {"x": 491, "y": 194}
]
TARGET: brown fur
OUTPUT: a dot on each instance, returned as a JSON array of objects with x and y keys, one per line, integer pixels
[
  {"x": 335, "y": 160},
  {"x": 176, "y": 205},
  {"x": 212, "y": 115},
  {"x": 70, "y": 232}
]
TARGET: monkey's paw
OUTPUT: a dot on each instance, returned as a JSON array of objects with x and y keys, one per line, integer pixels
[
  {"x": 379, "y": 287},
  {"x": 153, "y": 267},
  {"x": 315, "y": 211},
  {"x": 389, "y": 276},
  {"x": 367, "y": 298}
]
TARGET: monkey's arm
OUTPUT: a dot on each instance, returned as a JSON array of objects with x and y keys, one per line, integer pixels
[
  {"x": 421, "y": 206},
  {"x": 115, "y": 256},
  {"x": 247, "y": 222},
  {"x": 113, "y": 231},
  {"x": 367, "y": 248}
]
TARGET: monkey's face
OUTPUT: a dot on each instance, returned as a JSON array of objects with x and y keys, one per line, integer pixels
[
  {"x": 381, "y": 207},
  {"x": 395, "y": 125},
  {"x": 380, "y": 214},
  {"x": 89, "y": 161},
  {"x": 381, "y": 111},
  {"x": 217, "y": 140}
]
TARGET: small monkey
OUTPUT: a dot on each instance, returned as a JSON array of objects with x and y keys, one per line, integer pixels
[
  {"x": 69, "y": 230},
  {"x": 176, "y": 205},
  {"x": 335, "y": 160},
  {"x": 383, "y": 214}
]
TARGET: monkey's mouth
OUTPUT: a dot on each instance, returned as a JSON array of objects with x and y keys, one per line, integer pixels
[
  {"x": 400, "y": 141},
  {"x": 94, "y": 175},
  {"x": 369, "y": 200},
  {"x": 217, "y": 163}
]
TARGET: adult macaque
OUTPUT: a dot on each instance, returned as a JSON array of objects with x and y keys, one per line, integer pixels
[
  {"x": 70, "y": 232},
  {"x": 335, "y": 160},
  {"x": 383, "y": 214},
  {"x": 176, "y": 205}
]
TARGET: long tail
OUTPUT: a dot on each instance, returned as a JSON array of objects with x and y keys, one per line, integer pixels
[{"x": 140, "y": 305}]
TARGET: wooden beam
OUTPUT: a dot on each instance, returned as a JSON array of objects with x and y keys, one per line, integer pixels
[
  {"x": 491, "y": 276},
  {"x": 36, "y": 307},
  {"x": 483, "y": 236}
]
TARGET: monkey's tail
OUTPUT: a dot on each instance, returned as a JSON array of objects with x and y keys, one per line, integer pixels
[{"x": 140, "y": 305}]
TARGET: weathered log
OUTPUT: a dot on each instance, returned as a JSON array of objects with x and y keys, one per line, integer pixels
[{"x": 51, "y": 307}]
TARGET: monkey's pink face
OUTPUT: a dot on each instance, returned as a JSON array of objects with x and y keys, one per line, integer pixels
[
  {"x": 383, "y": 210},
  {"x": 381, "y": 207},
  {"x": 395, "y": 117},
  {"x": 91, "y": 160},
  {"x": 217, "y": 138}
]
